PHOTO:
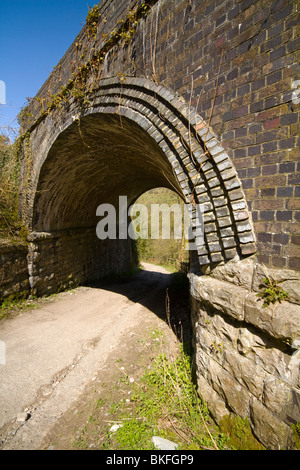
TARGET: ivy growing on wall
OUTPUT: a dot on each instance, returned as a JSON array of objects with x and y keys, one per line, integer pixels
[
  {"x": 92, "y": 21},
  {"x": 77, "y": 87}
]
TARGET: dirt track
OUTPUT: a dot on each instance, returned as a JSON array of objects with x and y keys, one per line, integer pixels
[{"x": 55, "y": 351}]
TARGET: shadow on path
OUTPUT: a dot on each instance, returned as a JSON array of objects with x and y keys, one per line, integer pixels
[{"x": 163, "y": 293}]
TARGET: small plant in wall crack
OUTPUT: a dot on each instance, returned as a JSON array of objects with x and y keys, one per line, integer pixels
[
  {"x": 216, "y": 347},
  {"x": 272, "y": 292}
]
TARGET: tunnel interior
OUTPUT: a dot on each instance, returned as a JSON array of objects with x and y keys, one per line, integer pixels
[
  {"x": 134, "y": 137},
  {"x": 94, "y": 161}
]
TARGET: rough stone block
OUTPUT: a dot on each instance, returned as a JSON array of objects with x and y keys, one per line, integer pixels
[
  {"x": 234, "y": 395},
  {"x": 219, "y": 295},
  {"x": 270, "y": 430},
  {"x": 244, "y": 371},
  {"x": 215, "y": 403},
  {"x": 281, "y": 320}
]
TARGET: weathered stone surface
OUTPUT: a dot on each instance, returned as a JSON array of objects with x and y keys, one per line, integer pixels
[
  {"x": 213, "y": 323},
  {"x": 244, "y": 371},
  {"x": 278, "y": 398},
  {"x": 163, "y": 444},
  {"x": 23, "y": 417},
  {"x": 208, "y": 394},
  {"x": 115, "y": 427},
  {"x": 72, "y": 257},
  {"x": 34, "y": 236},
  {"x": 226, "y": 297},
  {"x": 247, "y": 363},
  {"x": 281, "y": 320},
  {"x": 13, "y": 271},
  {"x": 233, "y": 394},
  {"x": 236, "y": 271},
  {"x": 270, "y": 430},
  {"x": 247, "y": 342}
]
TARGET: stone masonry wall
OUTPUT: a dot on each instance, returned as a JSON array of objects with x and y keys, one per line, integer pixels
[
  {"x": 13, "y": 271},
  {"x": 247, "y": 357},
  {"x": 62, "y": 260}
]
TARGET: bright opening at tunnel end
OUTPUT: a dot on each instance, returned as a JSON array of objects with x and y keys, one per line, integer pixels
[{"x": 163, "y": 221}]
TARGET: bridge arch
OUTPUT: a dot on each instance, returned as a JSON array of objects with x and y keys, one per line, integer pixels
[{"x": 135, "y": 135}]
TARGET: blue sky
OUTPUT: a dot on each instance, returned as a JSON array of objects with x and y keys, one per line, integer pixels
[{"x": 34, "y": 35}]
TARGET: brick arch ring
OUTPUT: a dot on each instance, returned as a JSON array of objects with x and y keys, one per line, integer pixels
[{"x": 200, "y": 165}]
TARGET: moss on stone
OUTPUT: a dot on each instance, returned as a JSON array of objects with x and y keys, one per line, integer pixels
[
  {"x": 296, "y": 434},
  {"x": 239, "y": 432}
]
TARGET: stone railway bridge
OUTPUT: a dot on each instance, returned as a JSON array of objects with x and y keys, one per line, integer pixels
[{"x": 198, "y": 96}]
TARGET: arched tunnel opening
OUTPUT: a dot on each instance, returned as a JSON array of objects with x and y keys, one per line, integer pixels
[
  {"x": 95, "y": 160},
  {"x": 100, "y": 159},
  {"x": 164, "y": 238},
  {"x": 162, "y": 242},
  {"x": 132, "y": 138}
]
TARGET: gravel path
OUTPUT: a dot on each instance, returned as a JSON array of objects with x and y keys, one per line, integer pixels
[{"x": 54, "y": 351}]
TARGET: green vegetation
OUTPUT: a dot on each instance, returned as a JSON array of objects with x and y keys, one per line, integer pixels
[
  {"x": 168, "y": 253},
  {"x": 92, "y": 21},
  {"x": 16, "y": 303},
  {"x": 272, "y": 292},
  {"x": 130, "y": 402},
  {"x": 169, "y": 404},
  {"x": 21, "y": 301},
  {"x": 164, "y": 403},
  {"x": 239, "y": 432},
  {"x": 296, "y": 434},
  {"x": 10, "y": 226}
]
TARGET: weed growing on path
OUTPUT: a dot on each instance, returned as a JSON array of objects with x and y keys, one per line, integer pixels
[{"x": 11, "y": 306}]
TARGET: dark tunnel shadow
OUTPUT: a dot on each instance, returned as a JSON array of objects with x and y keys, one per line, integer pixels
[{"x": 166, "y": 295}]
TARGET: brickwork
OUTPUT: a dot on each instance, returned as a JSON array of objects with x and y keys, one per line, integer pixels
[
  {"x": 253, "y": 112},
  {"x": 181, "y": 44}
]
